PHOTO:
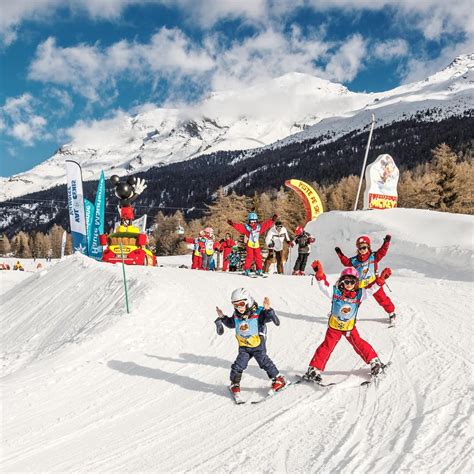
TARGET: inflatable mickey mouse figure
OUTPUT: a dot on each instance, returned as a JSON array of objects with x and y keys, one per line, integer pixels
[{"x": 127, "y": 192}]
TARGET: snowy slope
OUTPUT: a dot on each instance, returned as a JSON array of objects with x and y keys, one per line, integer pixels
[
  {"x": 273, "y": 113},
  {"x": 87, "y": 387}
]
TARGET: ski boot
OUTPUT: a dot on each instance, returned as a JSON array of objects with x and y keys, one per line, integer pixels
[
  {"x": 246, "y": 273},
  {"x": 259, "y": 273},
  {"x": 278, "y": 383},
  {"x": 376, "y": 367},
  {"x": 235, "y": 388},
  {"x": 312, "y": 375},
  {"x": 295, "y": 272},
  {"x": 391, "y": 319}
]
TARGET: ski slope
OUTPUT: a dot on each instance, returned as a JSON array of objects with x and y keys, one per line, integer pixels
[{"x": 87, "y": 387}]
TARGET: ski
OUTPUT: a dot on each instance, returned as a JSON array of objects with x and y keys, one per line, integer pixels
[
  {"x": 272, "y": 393},
  {"x": 374, "y": 379},
  {"x": 320, "y": 384},
  {"x": 237, "y": 397}
]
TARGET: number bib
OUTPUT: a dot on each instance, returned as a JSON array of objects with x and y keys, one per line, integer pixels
[
  {"x": 344, "y": 310},
  {"x": 366, "y": 270},
  {"x": 246, "y": 331},
  {"x": 253, "y": 238}
]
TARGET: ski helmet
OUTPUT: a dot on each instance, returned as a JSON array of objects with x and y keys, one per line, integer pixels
[
  {"x": 299, "y": 230},
  {"x": 202, "y": 233},
  {"x": 209, "y": 230},
  {"x": 241, "y": 294},
  {"x": 363, "y": 239},
  {"x": 350, "y": 272},
  {"x": 252, "y": 216}
]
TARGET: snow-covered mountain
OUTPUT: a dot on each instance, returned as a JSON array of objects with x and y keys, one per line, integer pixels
[
  {"x": 272, "y": 113},
  {"x": 90, "y": 388}
]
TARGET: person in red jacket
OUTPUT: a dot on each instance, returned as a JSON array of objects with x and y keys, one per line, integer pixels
[
  {"x": 366, "y": 262},
  {"x": 198, "y": 250},
  {"x": 346, "y": 297},
  {"x": 226, "y": 248},
  {"x": 252, "y": 231}
]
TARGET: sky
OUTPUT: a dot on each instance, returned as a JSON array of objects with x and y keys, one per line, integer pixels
[{"x": 70, "y": 64}]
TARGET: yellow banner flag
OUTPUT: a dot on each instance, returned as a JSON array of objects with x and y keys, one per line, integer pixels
[{"x": 311, "y": 200}]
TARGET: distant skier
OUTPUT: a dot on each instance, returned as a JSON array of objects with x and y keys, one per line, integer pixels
[
  {"x": 275, "y": 239},
  {"x": 210, "y": 246},
  {"x": 226, "y": 246},
  {"x": 303, "y": 239},
  {"x": 253, "y": 230},
  {"x": 233, "y": 259},
  {"x": 198, "y": 250},
  {"x": 346, "y": 297},
  {"x": 249, "y": 321},
  {"x": 366, "y": 262}
]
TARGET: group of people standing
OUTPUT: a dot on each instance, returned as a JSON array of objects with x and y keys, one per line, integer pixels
[
  {"x": 359, "y": 279},
  {"x": 247, "y": 253}
]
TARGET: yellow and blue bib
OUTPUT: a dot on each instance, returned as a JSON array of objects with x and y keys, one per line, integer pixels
[
  {"x": 344, "y": 310},
  {"x": 253, "y": 238},
  {"x": 366, "y": 270},
  {"x": 246, "y": 331}
]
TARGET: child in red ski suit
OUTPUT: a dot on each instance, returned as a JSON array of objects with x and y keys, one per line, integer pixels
[
  {"x": 366, "y": 262},
  {"x": 226, "y": 249},
  {"x": 346, "y": 297},
  {"x": 198, "y": 250},
  {"x": 252, "y": 230}
]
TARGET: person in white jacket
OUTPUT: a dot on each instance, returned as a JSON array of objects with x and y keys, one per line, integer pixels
[{"x": 275, "y": 239}]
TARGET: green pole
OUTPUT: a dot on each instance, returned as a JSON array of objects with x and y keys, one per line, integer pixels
[{"x": 124, "y": 278}]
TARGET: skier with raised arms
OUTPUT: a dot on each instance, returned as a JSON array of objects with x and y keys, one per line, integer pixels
[
  {"x": 249, "y": 321},
  {"x": 346, "y": 297},
  {"x": 252, "y": 230},
  {"x": 366, "y": 263}
]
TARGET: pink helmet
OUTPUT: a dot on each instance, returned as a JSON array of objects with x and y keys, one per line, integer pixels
[
  {"x": 209, "y": 230},
  {"x": 299, "y": 230},
  {"x": 349, "y": 271}
]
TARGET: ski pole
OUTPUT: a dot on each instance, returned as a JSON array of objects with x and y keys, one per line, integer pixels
[
  {"x": 124, "y": 278},
  {"x": 388, "y": 287}
]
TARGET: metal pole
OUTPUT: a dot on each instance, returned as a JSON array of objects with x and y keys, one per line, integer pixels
[
  {"x": 365, "y": 161},
  {"x": 124, "y": 278}
]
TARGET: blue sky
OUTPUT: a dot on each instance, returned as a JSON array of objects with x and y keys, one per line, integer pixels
[{"x": 66, "y": 63}]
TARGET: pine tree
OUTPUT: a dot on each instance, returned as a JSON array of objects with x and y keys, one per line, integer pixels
[
  {"x": 5, "y": 247},
  {"x": 445, "y": 170}
]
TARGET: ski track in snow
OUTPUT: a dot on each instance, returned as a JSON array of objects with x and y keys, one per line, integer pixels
[{"x": 87, "y": 387}]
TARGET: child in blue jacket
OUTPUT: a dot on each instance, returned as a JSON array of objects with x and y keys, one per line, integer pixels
[{"x": 249, "y": 321}]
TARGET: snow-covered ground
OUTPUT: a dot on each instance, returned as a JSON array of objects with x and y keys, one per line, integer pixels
[{"x": 87, "y": 387}]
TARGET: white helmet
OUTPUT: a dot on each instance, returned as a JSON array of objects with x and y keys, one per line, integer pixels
[{"x": 241, "y": 294}]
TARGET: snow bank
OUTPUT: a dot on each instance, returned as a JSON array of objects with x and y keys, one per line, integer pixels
[{"x": 428, "y": 243}]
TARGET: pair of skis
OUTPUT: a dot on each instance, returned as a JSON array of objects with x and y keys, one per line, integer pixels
[{"x": 374, "y": 379}]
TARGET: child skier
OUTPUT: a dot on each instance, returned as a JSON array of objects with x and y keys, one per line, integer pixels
[
  {"x": 346, "y": 298},
  {"x": 252, "y": 230},
  {"x": 249, "y": 321},
  {"x": 303, "y": 239},
  {"x": 210, "y": 246},
  {"x": 198, "y": 249},
  {"x": 226, "y": 247},
  {"x": 366, "y": 262},
  {"x": 233, "y": 259}
]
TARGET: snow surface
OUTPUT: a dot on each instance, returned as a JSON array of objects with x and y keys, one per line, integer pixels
[
  {"x": 292, "y": 107},
  {"x": 87, "y": 387}
]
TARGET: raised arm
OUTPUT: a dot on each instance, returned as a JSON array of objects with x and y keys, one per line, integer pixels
[
  {"x": 238, "y": 227},
  {"x": 382, "y": 251},
  {"x": 321, "y": 278},
  {"x": 344, "y": 260}
]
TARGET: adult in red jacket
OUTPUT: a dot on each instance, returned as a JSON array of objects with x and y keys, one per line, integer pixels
[
  {"x": 226, "y": 248},
  {"x": 252, "y": 231},
  {"x": 366, "y": 262}
]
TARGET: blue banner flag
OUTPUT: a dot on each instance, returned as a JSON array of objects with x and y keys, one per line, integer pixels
[
  {"x": 89, "y": 207},
  {"x": 95, "y": 249}
]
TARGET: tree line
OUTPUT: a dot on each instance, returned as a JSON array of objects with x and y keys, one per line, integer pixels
[{"x": 442, "y": 184}]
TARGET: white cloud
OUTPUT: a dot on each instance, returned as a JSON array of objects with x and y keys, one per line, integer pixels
[
  {"x": 346, "y": 63},
  {"x": 20, "y": 121},
  {"x": 92, "y": 71},
  {"x": 390, "y": 49}
]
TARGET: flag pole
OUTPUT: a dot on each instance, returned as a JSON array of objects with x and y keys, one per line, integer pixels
[
  {"x": 124, "y": 278},
  {"x": 365, "y": 162}
]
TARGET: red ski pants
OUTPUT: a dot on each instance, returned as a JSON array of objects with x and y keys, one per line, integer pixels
[
  {"x": 323, "y": 352},
  {"x": 197, "y": 262},
  {"x": 384, "y": 301},
  {"x": 225, "y": 262},
  {"x": 251, "y": 255}
]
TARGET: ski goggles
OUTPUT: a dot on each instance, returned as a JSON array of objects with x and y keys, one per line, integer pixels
[
  {"x": 239, "y": 304},
  {"x": 363, "y": 247},
  {"x": 349, "y": 281}
]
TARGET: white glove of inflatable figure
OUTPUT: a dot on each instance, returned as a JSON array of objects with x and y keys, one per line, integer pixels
[{"x": 140, "y": 186}]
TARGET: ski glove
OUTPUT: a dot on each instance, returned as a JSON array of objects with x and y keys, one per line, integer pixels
[
  {"x": 386, "y": 272},
  {"x": 219, "y": 326},
  {"x": 338, "y": 251},
  {"x": 318, "y": 270},
  {"x": 274, "y": 217},
  {"x": 291, "y": 244},
  {"x": 140, "y": 186},
  {"x": 387, "y": 238},
  {"x": 229, "y": 221}
]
